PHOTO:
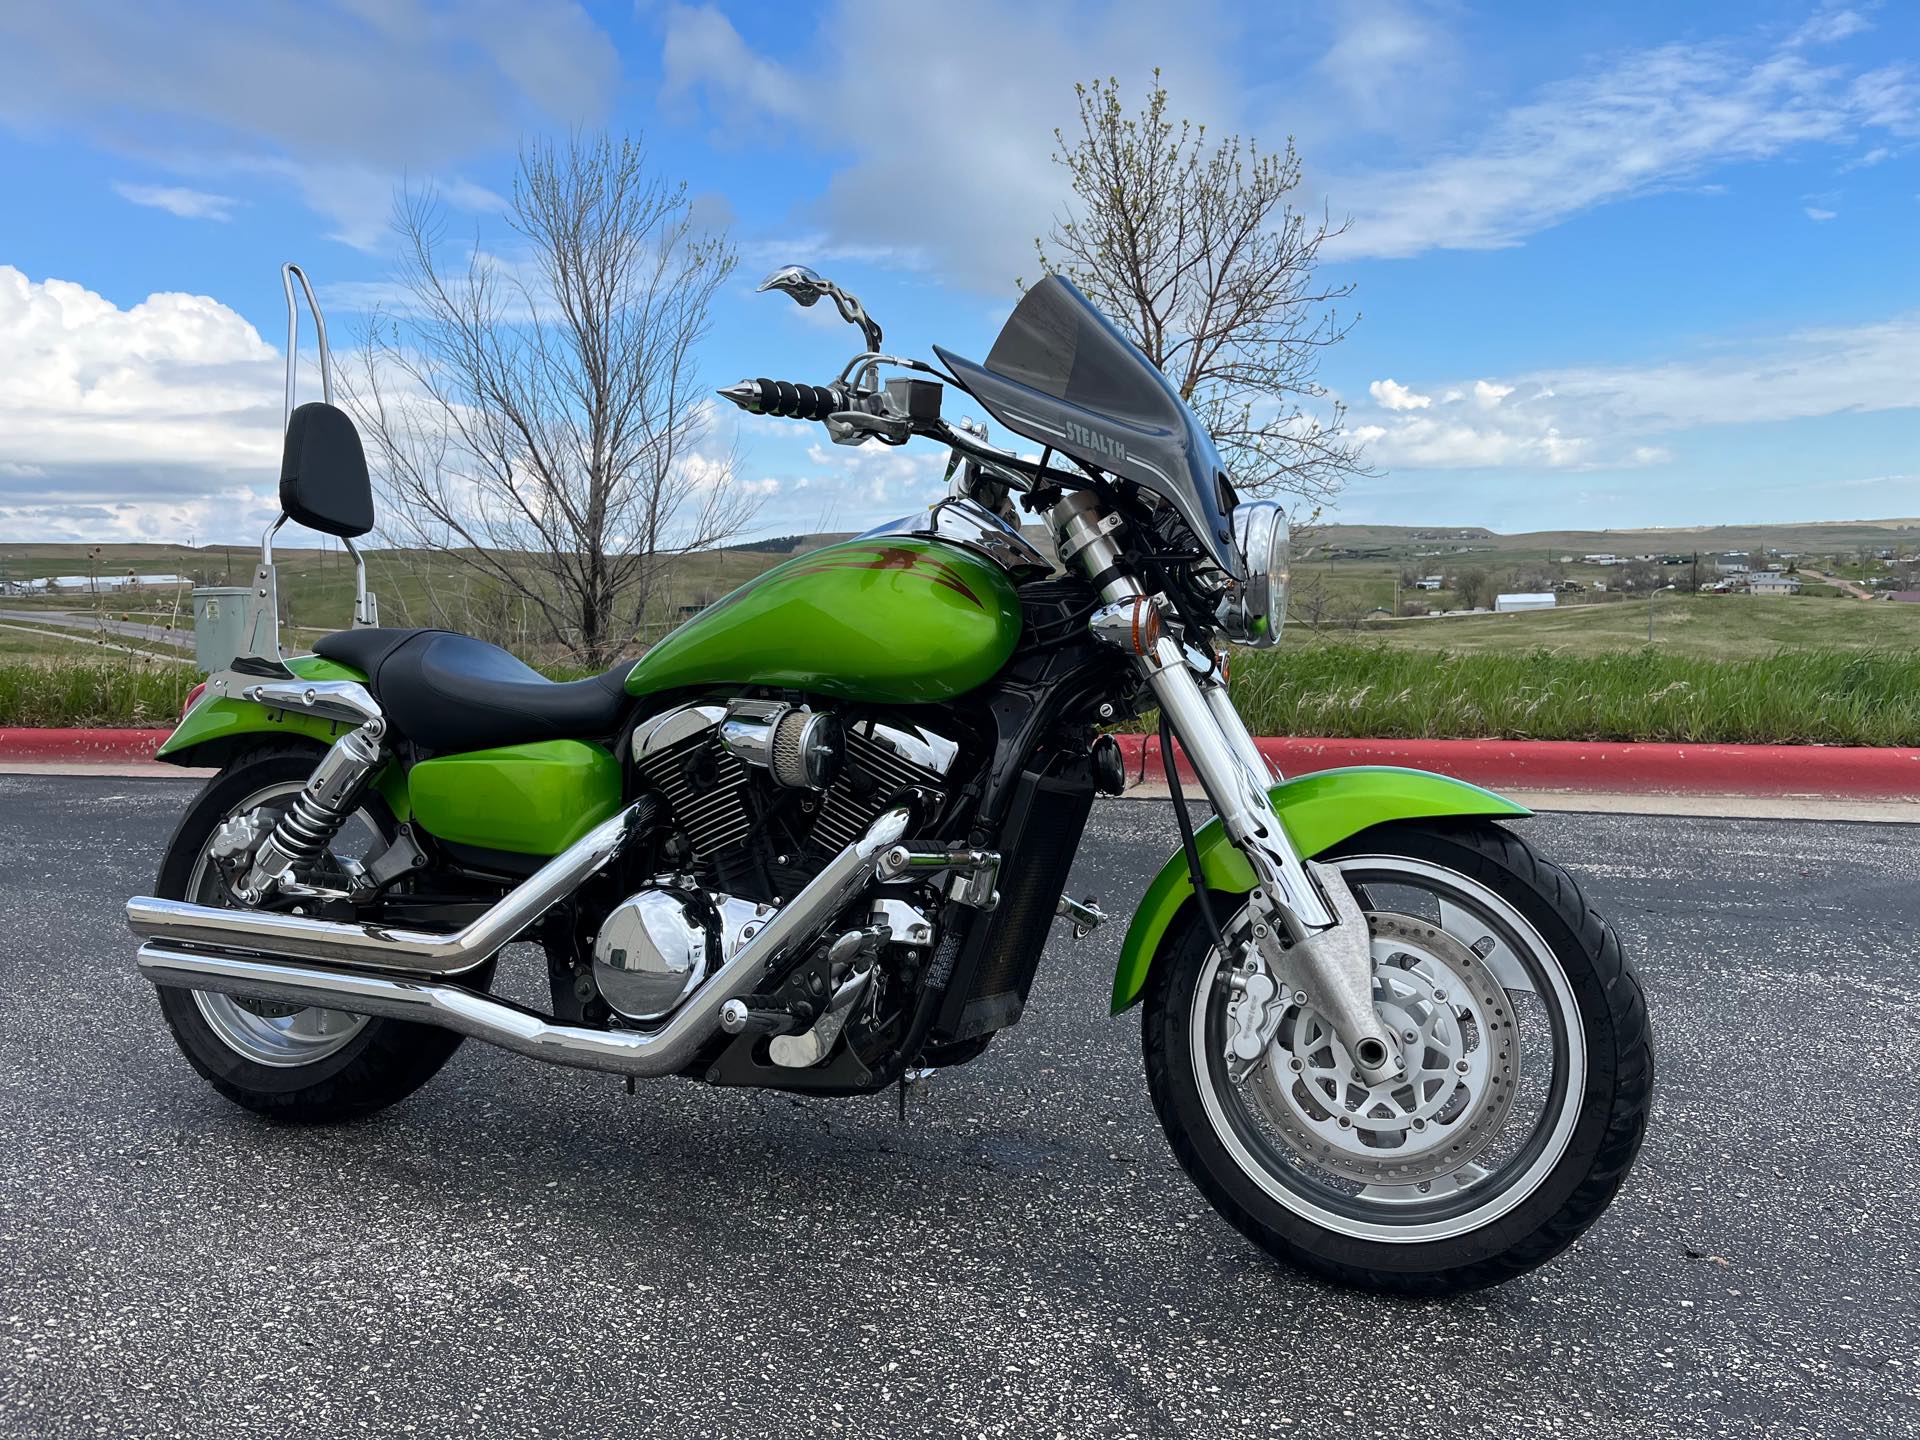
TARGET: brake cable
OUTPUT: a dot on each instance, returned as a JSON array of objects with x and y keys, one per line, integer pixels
[{"x": 1188, "y": 844}]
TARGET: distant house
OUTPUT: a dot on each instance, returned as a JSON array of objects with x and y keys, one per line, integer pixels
[
  {"x": 1534, "y": 600},
  {"x": 1772, "y": 582},
  {"x": 1603, "y": 559},
  {"x": 1731, "y": 567},
  {"x": 1429, "y": 582}
]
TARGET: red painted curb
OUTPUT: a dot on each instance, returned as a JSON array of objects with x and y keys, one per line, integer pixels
[
  {"x": 105, "y": 747},
  {"x": 1634, "y": 769}
]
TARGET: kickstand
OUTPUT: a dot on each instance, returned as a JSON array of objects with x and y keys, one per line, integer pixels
[{"x": 913, "y": 1078}]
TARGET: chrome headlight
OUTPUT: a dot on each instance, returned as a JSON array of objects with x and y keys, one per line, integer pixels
[{"x": 1255, "y": 608}]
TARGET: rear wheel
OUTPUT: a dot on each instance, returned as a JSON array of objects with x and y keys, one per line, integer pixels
[
  {"x": 307, "y": 1065},
  {"x": 1530, "y": 1070}
]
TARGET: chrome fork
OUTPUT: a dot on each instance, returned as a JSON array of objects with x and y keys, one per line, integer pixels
[{"x": 1331, "y": 950}]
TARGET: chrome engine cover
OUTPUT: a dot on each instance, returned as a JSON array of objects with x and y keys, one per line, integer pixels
[{"x": 656, "y": 947}]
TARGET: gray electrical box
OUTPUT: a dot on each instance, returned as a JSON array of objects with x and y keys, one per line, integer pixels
[{"x": 219, "y": 620}]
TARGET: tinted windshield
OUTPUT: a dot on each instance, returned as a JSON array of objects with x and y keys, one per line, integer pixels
[{"x": 1062, "y": 373}]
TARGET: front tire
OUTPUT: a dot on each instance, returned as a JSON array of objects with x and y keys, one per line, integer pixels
[
  {"x": 299, "y": 1066},
  {"x": 1531, "y": 1073}
]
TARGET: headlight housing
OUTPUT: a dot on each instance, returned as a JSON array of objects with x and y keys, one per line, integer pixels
[{"x": 1254, "y": 609}]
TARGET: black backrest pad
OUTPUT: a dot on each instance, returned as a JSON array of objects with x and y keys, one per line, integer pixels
[{"x": 323, "y": 472}]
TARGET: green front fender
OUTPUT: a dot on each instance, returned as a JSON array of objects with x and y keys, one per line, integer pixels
[{"x": 1318, "y": 811}]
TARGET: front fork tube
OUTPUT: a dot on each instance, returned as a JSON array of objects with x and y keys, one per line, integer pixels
[{"x": 1331, "y": 956}]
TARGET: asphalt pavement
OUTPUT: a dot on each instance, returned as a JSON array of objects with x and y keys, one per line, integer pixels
[{"x": 519, "y": 1250}]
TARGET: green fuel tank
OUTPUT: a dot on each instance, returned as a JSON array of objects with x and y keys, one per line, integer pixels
[{"x": 893, "y": 619}]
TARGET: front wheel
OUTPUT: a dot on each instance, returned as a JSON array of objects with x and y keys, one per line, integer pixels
[{"x": 1530, "y": 1072}]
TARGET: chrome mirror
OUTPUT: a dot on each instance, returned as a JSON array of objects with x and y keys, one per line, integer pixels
[{"x": 806, "y": 286}]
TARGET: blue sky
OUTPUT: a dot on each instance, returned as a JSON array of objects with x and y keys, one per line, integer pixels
[{"x": 1616, "y": 265}]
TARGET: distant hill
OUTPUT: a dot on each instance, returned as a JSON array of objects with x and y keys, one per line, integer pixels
[{"x": 1812, "y": 537}]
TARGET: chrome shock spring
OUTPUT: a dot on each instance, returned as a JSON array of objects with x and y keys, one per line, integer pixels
[
  {"x": 306, "y": 829},
  {"x": 301, "y": 836}
]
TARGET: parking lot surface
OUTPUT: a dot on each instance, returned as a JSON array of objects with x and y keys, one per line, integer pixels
[{"x": 520, "y": 1250}]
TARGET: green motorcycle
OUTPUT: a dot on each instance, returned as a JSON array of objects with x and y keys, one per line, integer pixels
[{"x": 815, "y": 839}]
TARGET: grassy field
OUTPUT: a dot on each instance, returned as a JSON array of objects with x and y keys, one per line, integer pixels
[
  {"x": 316, "y": 587},
  {"x": 1827, "y": 697},
  {"x": 1704, "y": 626},
  {"x": 15, "y": 642},
  {"x": 1815, "y": 668}
]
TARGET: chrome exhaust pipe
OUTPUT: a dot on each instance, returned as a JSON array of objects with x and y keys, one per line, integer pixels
[
  {"x": 430, "y": 1001},
  {"x": 375, "y": 947}
]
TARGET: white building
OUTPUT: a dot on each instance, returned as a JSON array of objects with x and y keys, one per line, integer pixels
[
  {"x": 1537, "y": 600},
  {"x": 1767, "y": 582},
  {"x": 1428, "y": 582}
]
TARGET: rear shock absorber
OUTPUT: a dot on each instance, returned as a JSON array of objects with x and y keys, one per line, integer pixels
[{"x": 303, "y": 833}]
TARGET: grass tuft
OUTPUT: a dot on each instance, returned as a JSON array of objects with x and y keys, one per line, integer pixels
[{"x": 59, "y": 690}]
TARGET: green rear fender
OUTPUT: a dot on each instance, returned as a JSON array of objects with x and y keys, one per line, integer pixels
[
  {"x": 217, "y": 727},
  {"x": 1318, "y": 811}
]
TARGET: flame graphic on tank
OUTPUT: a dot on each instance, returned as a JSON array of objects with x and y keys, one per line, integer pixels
[{"x": 892, "y": 557}]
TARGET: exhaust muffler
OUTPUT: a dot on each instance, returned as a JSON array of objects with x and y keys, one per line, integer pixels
[
  {"x": 300, "y": 937},
  {"x": 247, "y": 964}
]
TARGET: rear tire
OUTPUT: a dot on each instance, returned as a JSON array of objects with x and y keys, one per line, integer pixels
[
  {"x": 1419, "y": 1219},
  {"x": 381, "y": 1062}
]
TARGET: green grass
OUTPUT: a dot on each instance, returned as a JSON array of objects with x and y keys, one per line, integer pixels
[
  {"x": 15, "y": 642},
  {"x": 1831, "y": 697},
  {"x": 1834, "y": 697},
  {"x": 1717, "y": 627},
  {"x": 60, "y": 691}
]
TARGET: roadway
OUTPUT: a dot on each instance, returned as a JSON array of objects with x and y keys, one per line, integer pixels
[
  {"x": 94, "y": 625},
  {"x": 527, "y": 1251}
]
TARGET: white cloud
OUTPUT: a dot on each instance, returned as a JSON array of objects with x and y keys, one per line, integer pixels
[
  {"x": 1395, "y": 396},
  {"x": 1608, "y": 417},
  {"x": 1815, "y": 213},
  {"x": 1830, "y": 26},
  {"x": 178, "y": 200},
  {"x": 340, "y": 100},
  {"x": 164, "y": 416},
  {"x": 1650, "y": 120},
  {"x": 946, "y": 115},
  {"x": 1389, "y": 65}
]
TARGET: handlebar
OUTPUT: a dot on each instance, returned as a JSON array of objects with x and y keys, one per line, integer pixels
[{"x": 787, "y": 399}]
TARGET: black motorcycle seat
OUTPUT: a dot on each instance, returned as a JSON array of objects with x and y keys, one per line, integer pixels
[{"x": 451, "y": 692}]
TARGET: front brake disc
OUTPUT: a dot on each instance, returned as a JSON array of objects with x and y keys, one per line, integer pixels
[{"x": 1455, "y": 1024}]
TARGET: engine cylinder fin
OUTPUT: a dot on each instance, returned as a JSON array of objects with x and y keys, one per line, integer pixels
[{"x": 872, "y": 775}]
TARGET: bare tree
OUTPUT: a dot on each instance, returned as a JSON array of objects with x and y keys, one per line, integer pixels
[
  {"x": 1197, "y": 253},
  {"x": 540, "y": 423},
  {"x": 1472, "y": 588}
]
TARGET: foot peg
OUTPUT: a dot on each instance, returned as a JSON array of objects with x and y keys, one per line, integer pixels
[{"x": 1084, "y": 914}]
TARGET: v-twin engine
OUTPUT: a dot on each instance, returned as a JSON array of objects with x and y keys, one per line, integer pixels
[{"x": 761, "y": 794}]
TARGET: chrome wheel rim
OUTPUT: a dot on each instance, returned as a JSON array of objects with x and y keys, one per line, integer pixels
[
  {"x": 283, "y": 1036},
  {"x": 1491, "y": 1100}
]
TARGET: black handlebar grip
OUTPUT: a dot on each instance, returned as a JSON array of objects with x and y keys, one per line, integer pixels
[{"x": 797, "y": 402}]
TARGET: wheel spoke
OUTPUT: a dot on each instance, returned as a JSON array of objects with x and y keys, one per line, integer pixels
[{"x": 1474, "y": 933}]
